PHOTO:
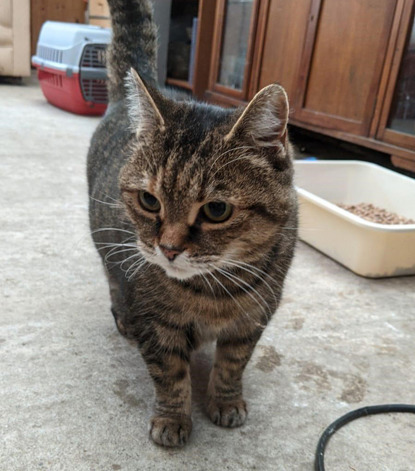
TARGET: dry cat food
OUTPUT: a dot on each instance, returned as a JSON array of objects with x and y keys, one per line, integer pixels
[{"x": 374, "y": 214}]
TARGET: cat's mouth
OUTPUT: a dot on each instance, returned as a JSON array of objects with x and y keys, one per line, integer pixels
[
  {"x": 179, "y": 273},
  {"x": 181, "y": 268}
]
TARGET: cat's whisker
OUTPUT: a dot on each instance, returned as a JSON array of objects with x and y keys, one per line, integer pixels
[
  {"x": 147, "y": 266},
  {"x": 279, "y": 270},
  {"x": 225, "y": 289},
  {"x": 243, "y": 310},
  {"x": 111, "y": 198},
  {"x": 114, "y": 243},
  {"x": 126, "y": 241},
  {"x": 104, "y": 195},
  {"x": 253, "y": 267},
  {"x": 234, "y": 149},
  {"x": 230, "y": 162},
  {"x": 211, "y": 289},
  {"x": 135, "y": 255},
  {"x": 235, "y": 279},
  {"x": 131, "y": 267},
  {"x": 111, "y": 205},
  {"x": 138, "y": 267},
  {"x": 111, "y": 253},
  {"x": 143, "y": 262},
  {"x": 272, "y": 291},
  {"x": 134, "y": 267},
  {"x": 116, "y": 229},
  {"x": 115, "y": 246}
]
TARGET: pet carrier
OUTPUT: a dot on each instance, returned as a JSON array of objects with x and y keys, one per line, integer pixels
[{"x": 70, "y": 60}]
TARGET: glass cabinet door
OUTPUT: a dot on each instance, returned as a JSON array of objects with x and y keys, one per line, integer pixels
[
  {"x": 402, "y": 112},
  {"x": 235, "y": 42}
]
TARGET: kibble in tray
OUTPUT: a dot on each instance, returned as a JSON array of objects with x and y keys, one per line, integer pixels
[{"x": 373, "y": 213}]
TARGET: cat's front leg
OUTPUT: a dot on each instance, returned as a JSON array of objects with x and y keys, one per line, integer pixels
[
  {"x": 168, "y": 360},
  {"x": 226, "y": 406}
]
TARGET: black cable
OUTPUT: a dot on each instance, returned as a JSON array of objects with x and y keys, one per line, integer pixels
[{"x": 345, "y": 419}]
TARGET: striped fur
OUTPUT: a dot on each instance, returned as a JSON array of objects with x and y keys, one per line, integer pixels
[
  {"x": 134, "y": 44},
  {"x": 227, "y": 282}
]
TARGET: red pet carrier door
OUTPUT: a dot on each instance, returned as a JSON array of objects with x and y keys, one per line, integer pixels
[{"x": 93, "y": 74}]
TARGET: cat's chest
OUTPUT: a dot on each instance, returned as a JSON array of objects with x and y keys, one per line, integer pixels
[
  {"x": 210, "y": 312},
  {"x": 211, "y": 316},
  {"x": 207, "y": 332}
]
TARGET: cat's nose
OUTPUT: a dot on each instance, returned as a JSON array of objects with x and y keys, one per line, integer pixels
[{"x": 170, "y": 252}]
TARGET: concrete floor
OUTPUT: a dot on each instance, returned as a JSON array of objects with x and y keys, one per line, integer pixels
[{"x": 75, "y": 395}]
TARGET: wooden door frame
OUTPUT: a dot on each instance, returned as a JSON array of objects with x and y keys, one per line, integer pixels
[
  {"x": 305, "y": 64},
  {"x": 262, "y": 26},
  {"x": 384, "y": 133},
  {"x": 204, "y": 45}
]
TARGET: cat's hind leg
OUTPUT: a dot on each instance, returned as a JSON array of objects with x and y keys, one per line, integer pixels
[{"x": 118, "y": 308}]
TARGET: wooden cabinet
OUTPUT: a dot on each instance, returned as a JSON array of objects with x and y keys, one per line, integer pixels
[
  {"x": 397, "y": 111},
  {"x": 280, "y": 45},
  {"x": 348, "y": 66},
  {"x": 342, "y": 69}
]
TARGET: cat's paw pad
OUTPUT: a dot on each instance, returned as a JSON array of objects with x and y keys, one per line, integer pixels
[
  {"x": 228, "y": 414},
  {"x": 170, "y": 430}
]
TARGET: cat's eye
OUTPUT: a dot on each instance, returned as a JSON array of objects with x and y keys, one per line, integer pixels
[
  {"x": 148, "y": 201},
  {"x": 217, "y": 211}
]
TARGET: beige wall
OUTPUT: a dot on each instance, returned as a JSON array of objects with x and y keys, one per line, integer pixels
[{"x": 15, "y": 37}]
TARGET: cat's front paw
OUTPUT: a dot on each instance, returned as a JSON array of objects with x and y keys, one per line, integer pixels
[
  {"x": 170, "y": 430},
  {"x": 228, "y": 414}
]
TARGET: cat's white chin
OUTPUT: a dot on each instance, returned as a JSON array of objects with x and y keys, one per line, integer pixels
[
  {"x": 180, "y": 268},
  {"x": 180, "y": 273}
]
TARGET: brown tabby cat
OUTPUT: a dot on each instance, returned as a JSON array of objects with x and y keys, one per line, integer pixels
[{"x": 194, "y": 213}]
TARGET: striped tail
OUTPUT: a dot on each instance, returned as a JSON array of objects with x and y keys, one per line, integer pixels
[{"x": 134, "y": 44}]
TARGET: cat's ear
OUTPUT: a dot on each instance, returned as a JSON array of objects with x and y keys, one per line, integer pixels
[
  {"x": 145, "y": 117},
  {"x": 264, "y": 120}
]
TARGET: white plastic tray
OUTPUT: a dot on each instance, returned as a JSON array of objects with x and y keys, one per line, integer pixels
[{"x": 369, "y": 249}]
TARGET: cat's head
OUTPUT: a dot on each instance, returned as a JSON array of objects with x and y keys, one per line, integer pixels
[{"x": 207, "y": 187}]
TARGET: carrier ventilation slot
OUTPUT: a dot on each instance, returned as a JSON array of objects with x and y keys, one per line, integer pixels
[
  {"x": 94, "y": 91},
  {"x": 54, "y": 80},
  {"x": 94, "y": 56},
  {"x": 50, "y": 54}
]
